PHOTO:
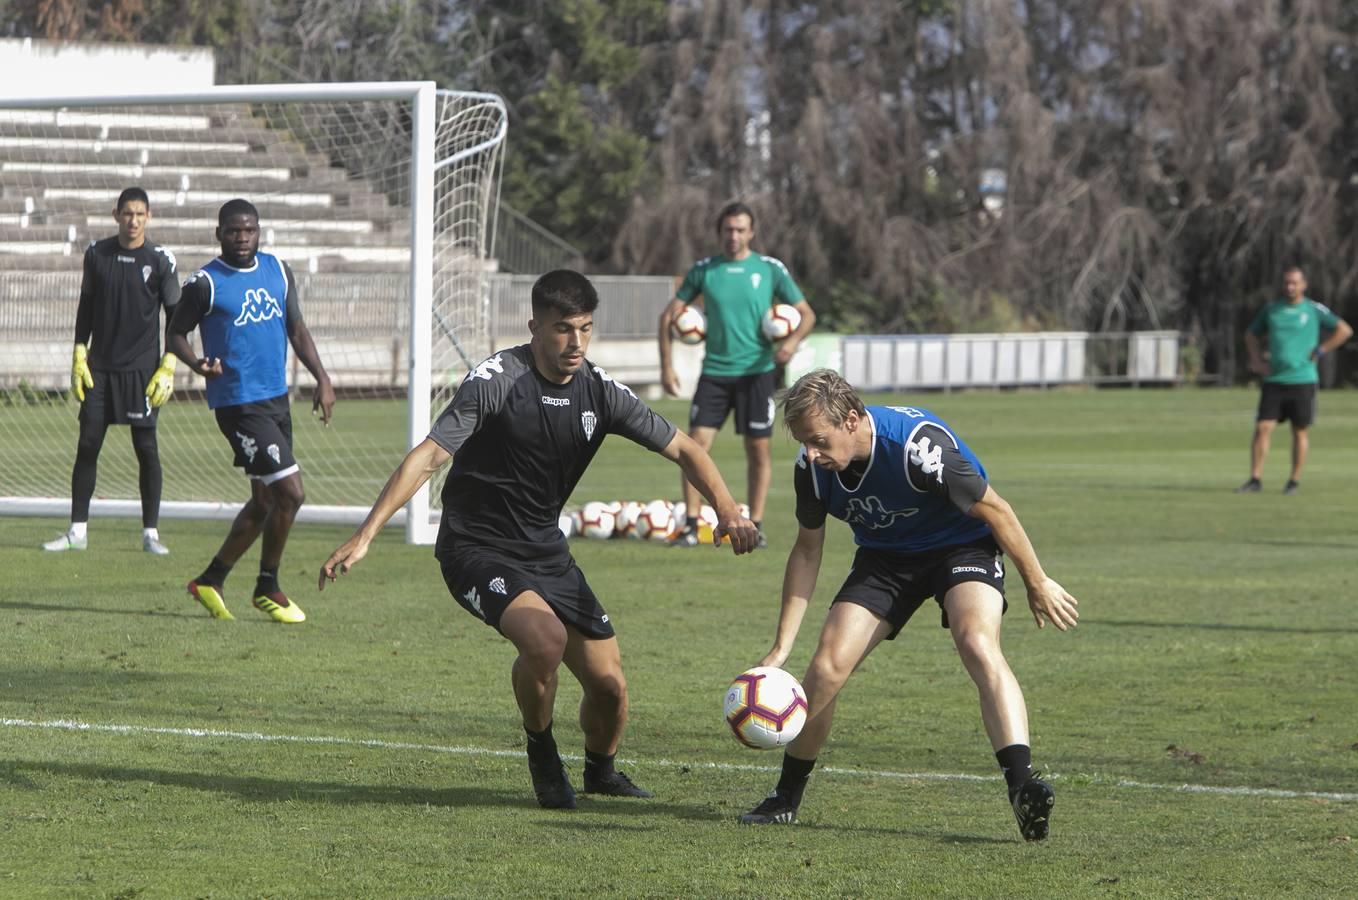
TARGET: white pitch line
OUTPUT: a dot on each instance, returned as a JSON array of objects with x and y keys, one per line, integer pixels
[{"x": 376, "y": 743}]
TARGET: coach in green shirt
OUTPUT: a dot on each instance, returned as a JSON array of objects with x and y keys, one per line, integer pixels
[
  {"x": 737, "y": 288},
  {"x": 1292, "y": 326}
]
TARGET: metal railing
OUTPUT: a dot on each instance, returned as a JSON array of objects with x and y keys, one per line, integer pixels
[{"x": 524, "y": 246}]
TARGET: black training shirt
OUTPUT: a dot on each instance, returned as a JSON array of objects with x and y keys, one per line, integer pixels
[
  {"x": 121, "y": 294},
  {"x": 520, "y": 444}
]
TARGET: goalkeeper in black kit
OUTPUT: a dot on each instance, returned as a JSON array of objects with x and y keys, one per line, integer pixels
[
  {"x": 520, "y": 431},
  {"x": 114, "y": 374}
]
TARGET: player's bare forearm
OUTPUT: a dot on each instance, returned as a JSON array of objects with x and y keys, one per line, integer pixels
[
  {"x": 305, "y": 347},
  {"x": 799, "y": 583},
  {"x": 663, "y": 338},
  {"x": 702, "y": 473},
  {"x": 1048, "y": 601},
  {"x": 416, "y": 469}
]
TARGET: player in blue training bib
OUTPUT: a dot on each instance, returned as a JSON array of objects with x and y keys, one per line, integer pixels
[
  {"x": 245, "y": 306},
  {"x": 927, "y": 524}
]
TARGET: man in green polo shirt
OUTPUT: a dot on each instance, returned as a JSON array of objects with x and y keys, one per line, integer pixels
[
  {"x": 737, "y": 288},
  {"x": 1292, "y": 326}
]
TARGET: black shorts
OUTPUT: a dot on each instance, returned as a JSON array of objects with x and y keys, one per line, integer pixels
[
  {"x": 1288, "y": 402},
  {"x": 484, "y": 583},
  {"x": 118, "y": 398},
  {"x": 261, "y": 436},
  {"x": 894, "y": 585},
  {"x": 750, "y": 395}
]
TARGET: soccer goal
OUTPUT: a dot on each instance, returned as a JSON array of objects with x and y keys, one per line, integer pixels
[{"x": 379, "y": 195}]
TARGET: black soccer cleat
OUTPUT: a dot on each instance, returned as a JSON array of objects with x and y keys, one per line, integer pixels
[
  {"x": 685, "y": 537},
  {"x": 1032, "y": 807},
  {"x": 1291, "y": 488},
  {"x": 776, "y": 809},
  {"x": 614, "y": 784},
  {"x": 550, "y": 784},
  {"x": 1253, "y": 486}
]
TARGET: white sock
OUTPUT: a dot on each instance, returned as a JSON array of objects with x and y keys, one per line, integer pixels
[
  {"x": 78, "y": 530},
  {"x": 152, "y": 533}
]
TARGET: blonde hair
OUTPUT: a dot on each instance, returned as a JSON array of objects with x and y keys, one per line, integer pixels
[{"x": 823, "y": 392}]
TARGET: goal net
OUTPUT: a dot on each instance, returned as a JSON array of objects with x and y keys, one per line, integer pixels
[{"x": 378, "y": 195}]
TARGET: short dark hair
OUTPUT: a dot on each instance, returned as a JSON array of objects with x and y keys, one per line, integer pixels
[
  {"x": 1298, "y": 269},
  {"x": 565, "y": 291},
  {"x": 237, "y": 207},
  {"x": 734, "y": 209},
  {"x": 132, "y": 193}
]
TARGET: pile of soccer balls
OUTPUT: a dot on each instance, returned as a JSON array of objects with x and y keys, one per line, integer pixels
[{"x": 653, "y": 521}]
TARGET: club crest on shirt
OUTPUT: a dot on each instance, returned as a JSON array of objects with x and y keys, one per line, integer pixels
[
  {"x": 754, "y": 280},
  {"x": 146, "y": 273},
  {"x": 587, "y": 421}
]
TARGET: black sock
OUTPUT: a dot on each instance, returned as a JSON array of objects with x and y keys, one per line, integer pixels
[
  {"x": 1016, "y": 761},
  {"x": 758, "y": 526},
  {"x": 690, "y": 523},
  {"x": 215, "y": 573},
  {"x": 796, "y": 772},
  {"x": 598, "y": 764},
  {"x": 541, "y": 744},
  {"x": 267, "y": 582}
]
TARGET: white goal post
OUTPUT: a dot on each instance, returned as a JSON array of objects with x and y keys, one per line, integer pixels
[{"x": 379, "y": 194}]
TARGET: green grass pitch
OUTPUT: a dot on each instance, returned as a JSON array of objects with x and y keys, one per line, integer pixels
[{"x": 1199, "y": 725}]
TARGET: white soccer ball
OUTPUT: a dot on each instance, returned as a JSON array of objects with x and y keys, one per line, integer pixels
[
  {"x": 597, "y": 520},
  {"x": 765, "y": 708},
  {"x": 655, "y": 521},
  {"x": 627, "y": 520},
  {"x": 780, "y": 321},
  {"x": 690, "y": 326}
]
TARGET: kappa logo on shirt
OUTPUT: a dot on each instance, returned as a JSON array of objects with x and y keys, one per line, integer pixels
[
  {"x": 259, "y": 306},
  {"x": 487, "y": 369},
  {"x": 555, "y": 401},
  {"x": 871, "y": 513}
]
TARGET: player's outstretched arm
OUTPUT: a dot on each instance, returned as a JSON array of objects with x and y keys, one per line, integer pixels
[
  {"x": 702, "y": 473},
  {"x": 417, "y": 467},
  {"x": 1046, "y": 599},
  {"x": 799, "y": 583}
]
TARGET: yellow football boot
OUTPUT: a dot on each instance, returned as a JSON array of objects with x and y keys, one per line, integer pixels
[{"x": 280, "y": 608}]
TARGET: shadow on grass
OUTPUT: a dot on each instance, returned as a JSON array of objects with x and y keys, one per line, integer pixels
[
  {"x": 1218, "y": 626},
  {"x": 191, "y": 613},
  {"x": 255, "y": 787}
]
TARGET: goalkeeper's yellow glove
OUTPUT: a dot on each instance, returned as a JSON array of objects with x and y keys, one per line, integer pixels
[
  {"x": 81, "y": 377},
  {"x": 161, "y": 385}
]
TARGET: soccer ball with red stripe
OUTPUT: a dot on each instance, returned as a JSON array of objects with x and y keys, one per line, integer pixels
[
  {"x": 690, "y": 326},
  {"x": 765, "y": 707},
  {"x": 780, "y": 321}
]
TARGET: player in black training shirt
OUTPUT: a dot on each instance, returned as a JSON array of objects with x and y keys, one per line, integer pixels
[
  {"x": 114, "y": 374},
  {"x": 521, "y": 430}
]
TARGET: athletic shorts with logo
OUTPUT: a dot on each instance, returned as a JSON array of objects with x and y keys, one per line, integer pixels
[
  {"x": 484, "y": 583},
  {"x": 1295, "y": 403},
  {"x": 118, "y": 398},
  {"x": 260, "y": 434},
  {"x": 751, "y": 396},
  {"x": 894, "y": 585}
]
